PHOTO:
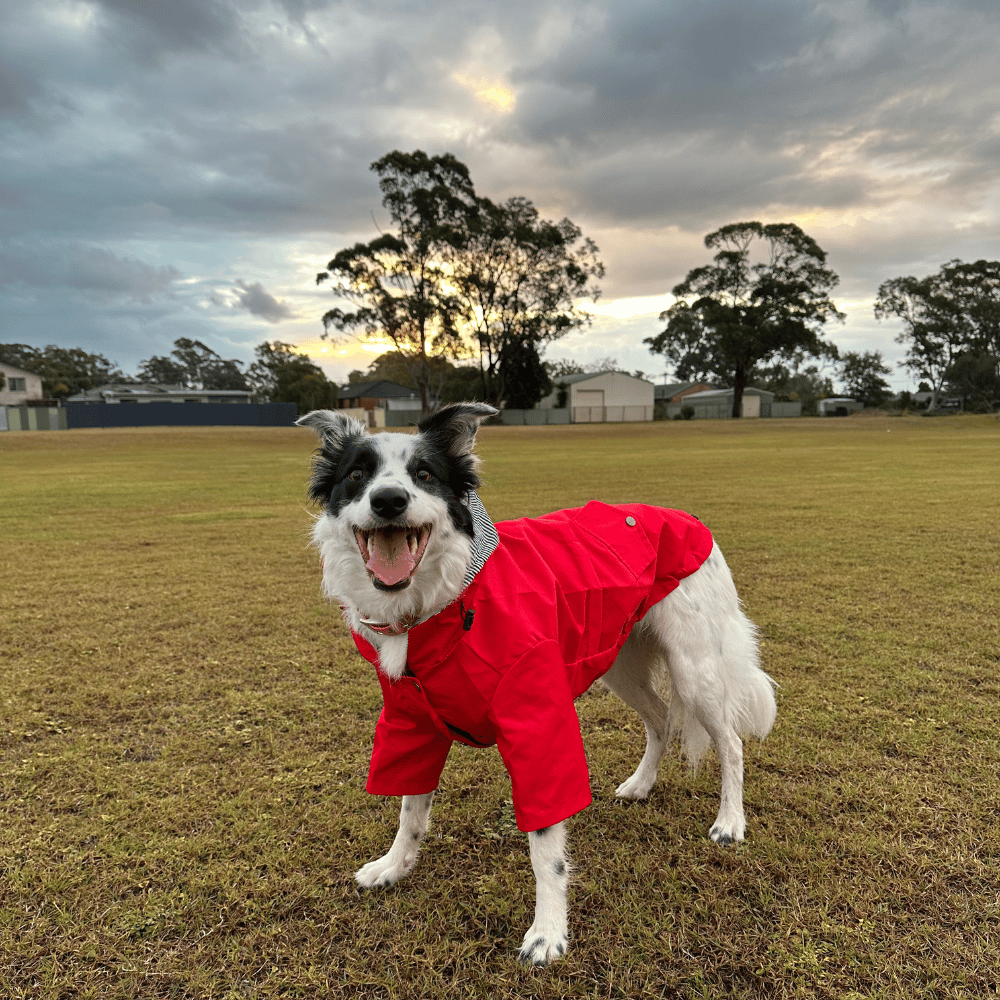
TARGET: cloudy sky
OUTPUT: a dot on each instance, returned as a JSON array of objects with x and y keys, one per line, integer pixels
[{"x": 183, "y": 168}]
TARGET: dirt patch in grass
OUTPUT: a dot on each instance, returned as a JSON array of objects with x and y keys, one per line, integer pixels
[{"x": 185, "y": 730}]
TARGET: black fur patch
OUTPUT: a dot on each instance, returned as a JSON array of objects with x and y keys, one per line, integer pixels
[
  {"x": 451, "y": 478},
  {"x": 331, "y": 484}
]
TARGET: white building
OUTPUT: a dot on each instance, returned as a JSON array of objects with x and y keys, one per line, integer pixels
[
  {"x": 19, "y": 386},
  {"x": 602, "y": 397}
]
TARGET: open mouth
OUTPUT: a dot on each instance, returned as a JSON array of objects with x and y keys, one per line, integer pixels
[{"x": 392, "y": 555}]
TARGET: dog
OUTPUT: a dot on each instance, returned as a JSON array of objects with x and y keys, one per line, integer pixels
[{"x": 485, "y": 634}]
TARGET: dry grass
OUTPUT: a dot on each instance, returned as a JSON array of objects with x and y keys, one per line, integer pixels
[{"x": 185, "y": 729}]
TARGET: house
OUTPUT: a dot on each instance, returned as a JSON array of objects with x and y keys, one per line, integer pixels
[
  {"x": 676, "y": 391},
  {"x": 156, "y": 392},
  {"x": 19, "y": 386},
  {"x": 718, "y": 403},
  {"x": 602, "y": 397},
  {"x": 380, "y": 395},
  {"x": 383, "y": 403},
  {"x": 838, "y": 407}
]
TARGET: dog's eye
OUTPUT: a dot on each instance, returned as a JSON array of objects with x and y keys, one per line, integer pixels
[
  {"x": 356, "y": 475},
  {"x": 424, "y": 476}
]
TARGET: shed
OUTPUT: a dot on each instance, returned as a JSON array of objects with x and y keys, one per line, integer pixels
[
  {"x": 718, "y": 403},
  {"x": 603, "y": 397},
  {"x": 838, "y": 407}
]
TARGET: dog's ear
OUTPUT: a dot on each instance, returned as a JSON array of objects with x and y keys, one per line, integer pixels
[
  {"x": 332, "y": 428},
  {"x": 455, "y": 426},
  {"x": 335, "y": 431}
]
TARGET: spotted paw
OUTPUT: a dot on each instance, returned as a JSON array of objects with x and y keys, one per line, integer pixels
[
  {"x": 725, "y": 836},
  {"x": 542, "y": 948}
]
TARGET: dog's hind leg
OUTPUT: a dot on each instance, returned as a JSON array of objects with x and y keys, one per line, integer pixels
[
  {"x": 631, "y": 678},
  {"x": 414, "y": 815},
  {"x": 548, "y": 937},
  {"x": 719, "y": 692}
]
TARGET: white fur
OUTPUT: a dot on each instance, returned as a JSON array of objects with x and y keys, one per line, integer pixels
[
  {"x": 695, "y": 647},
  {"x": 346, "y": 581}
]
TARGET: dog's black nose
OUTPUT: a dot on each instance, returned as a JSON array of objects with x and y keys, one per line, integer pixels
[{"x": 390, "y": 502}]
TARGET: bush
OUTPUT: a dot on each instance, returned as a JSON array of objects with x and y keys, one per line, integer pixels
[{"x": 687, "y": 412}]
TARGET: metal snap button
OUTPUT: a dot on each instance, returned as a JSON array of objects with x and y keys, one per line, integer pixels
[{"x": 630, "y": 521}]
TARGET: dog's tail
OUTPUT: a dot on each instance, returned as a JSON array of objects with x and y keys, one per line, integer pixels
[{"x": 711, "y": 648}]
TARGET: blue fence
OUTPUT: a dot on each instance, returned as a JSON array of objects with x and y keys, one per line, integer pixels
[{"x": 180, "y": 414}]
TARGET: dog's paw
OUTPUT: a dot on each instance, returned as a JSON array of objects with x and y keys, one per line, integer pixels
[
  {"x": 382, "y": 872},
  {"x": 726, "y": 835},
  {"x": 543, "y": 945},
  {"x": 636, "y": 787}
]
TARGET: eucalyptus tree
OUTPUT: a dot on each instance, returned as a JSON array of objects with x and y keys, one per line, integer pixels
[
  {"x": 397, "y": 285},
  {"x": 193, "y": 365},
  {"x": 954, "y": 312},
  {"x": 862, "y": 374},
  {"x": 521, "y": 279},
  {"x": 765, "y": 297}
]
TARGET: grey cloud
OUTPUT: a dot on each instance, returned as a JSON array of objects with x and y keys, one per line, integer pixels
[
  {"x": 218, "y": 122},
  {"x": 723, "y": 95},
  {"x": 84, "y": 268},
  {"x": 257, "y": 301},
  {"x": 150, "y": 30}
]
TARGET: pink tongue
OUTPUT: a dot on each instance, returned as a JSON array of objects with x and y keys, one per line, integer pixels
[{"x": 390, "y": 558}]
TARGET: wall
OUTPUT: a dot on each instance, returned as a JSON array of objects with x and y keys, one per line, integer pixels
[{"x": 181, "y": 415}]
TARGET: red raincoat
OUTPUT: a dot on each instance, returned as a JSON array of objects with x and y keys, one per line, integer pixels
[{"x": 552, "y": 607}]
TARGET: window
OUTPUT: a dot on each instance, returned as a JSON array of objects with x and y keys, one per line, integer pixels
[{"x": 17, "y": 384}]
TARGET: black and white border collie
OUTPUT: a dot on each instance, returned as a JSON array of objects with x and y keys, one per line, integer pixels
[{"x": 398, "y": 539}]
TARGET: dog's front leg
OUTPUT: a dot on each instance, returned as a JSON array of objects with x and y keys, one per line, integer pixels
[
  {"x": 413, "y": 818},
  {"x": 548, "y": 937}
]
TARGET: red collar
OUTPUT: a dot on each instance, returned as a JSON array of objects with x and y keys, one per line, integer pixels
[{"x": 389, "y": 628}]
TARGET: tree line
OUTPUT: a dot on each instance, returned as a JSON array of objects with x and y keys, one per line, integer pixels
[
  {"x": 279, "y": 373},
  {"x": 460, "y": 278}
]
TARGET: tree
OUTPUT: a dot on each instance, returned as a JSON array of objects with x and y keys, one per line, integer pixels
[
  {"x": 734, "y": 314},
  {"x": 975, "y": 376},
  {"x": 947, "y": 314},
  {"x": 794, "y": 381},
  {"x": 523, "y": 374},
  {"x": 193, "y": 365},
  {"x": 398, "y": 283},
  {"x": 567, "y": 366},
  {"x": 862, "y": 374},
  {"x": 63, "y": 370},
  {"x": 282, "y": 375},
  {"x": 520, "y": 278},
  {"x": 163, "y": 371}
]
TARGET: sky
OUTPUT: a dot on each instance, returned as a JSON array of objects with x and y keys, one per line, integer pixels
[{"x": 184, "y": 168}]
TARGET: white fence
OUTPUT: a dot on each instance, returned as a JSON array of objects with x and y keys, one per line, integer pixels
[
  {"x": 32, "y": 418},
  {"x": 535, "y": 418},
  {"x": 611, "y": 414}
]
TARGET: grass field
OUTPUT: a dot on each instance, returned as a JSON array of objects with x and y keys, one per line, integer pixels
[{"x": 185, "y": 730}]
